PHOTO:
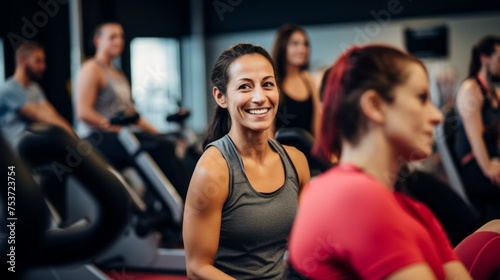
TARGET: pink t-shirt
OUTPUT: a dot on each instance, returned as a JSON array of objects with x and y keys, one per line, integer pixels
[{"x": 351, "y": 226}]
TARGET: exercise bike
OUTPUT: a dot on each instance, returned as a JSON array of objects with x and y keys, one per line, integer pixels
[
  {"x": 46, "y": 248},
  {"x": 187, "y": 143},
  {"x": 304, "y": 142},
  {"x": 157, "y": 219}
]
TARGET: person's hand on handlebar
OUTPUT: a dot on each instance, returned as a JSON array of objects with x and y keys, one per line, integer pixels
[
  {"x": 123, "y": 118},
  {"x": 107, "y": 126},
  {"x": 493, "y": 171}
]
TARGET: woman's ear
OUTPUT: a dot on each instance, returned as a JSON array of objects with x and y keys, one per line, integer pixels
[
  {"x": 373, "y": 106},
  {"x": 219, "y": 97}
]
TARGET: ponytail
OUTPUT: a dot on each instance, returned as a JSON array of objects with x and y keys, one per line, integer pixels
[
  {"x": 475, "y": 63},
  {"x": 218, "y": 127},
  {"x": 486, "y": 47},
  {"x": 329, "y": 140}
]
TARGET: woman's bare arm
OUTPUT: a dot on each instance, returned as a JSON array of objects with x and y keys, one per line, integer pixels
[
  {"x": 89, "y": 82},
  {"x": 299, "y": 160},
  {"x": 469, "y": 105},
  {"x": 207, "y": 193}
]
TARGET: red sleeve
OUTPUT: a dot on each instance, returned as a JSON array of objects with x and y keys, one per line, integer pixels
[
  {"x": 379, "y": 239},
  {"x": 351, "y": 226},
  {"x": 366, "y": 231}
]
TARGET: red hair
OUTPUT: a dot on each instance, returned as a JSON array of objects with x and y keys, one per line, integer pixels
[
  {"x": 328, "y": 140},
  {"x": 357, "y": 70}
]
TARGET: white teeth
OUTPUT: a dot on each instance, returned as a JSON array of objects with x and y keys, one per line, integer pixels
[{"x": 258, "y": 112}]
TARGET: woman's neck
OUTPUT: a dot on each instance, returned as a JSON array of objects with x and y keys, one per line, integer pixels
[
  {"x": 484, "y": 78},
  {"x": 103, "y": 59},
  {"x": 292, "y": 70},
  {"x": 252, "y": 144},
  {"x": 374, "y": 155}
]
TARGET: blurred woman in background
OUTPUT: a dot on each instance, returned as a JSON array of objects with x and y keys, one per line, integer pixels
[
  {"x": 477, "y": 133},
  {"x": 299, "y": 100}
]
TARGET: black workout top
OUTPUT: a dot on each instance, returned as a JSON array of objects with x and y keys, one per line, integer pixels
[
  {"x": 491, "y": 124},
  {"x": 293, "y": 113}
]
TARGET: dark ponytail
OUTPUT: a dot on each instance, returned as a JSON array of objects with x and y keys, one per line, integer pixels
[
  {"x": 486, "y": 46},
  {"x": 219, "y": 126},
  {"x": 475, "y": 63},
  {"x": 221, "y": 121}
]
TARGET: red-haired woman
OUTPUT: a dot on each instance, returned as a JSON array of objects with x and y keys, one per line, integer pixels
[{"x": 351, "y": 224}]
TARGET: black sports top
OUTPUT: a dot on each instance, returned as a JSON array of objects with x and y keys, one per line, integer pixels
[
  {"x": 293, "y": 113},
  {"x": 491, "y": 124}
]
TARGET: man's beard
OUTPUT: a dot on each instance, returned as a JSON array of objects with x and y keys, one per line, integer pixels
[{"x": 32, "y": 75}]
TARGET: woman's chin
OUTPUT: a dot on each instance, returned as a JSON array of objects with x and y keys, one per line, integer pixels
[
  {"x": 419, "y": 154},
  {"x": 259, "y": 127}
]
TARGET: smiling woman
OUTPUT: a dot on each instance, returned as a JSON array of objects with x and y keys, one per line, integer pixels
[
  {"x": 243, "y": 195},
  {"x": 256, "y": 95}
]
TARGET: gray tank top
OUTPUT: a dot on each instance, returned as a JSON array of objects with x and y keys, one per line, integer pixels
[
  {"x": 112, "y": 98},
  {"x": 255, "y": 226}
]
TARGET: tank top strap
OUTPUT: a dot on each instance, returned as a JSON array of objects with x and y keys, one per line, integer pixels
[
  {"x": 103, "y": 68},
  {"x": 228, "y": 150},
  {"x": 290, "y": 170},
  {"x": 235, "y": 164},
  {"x": 109, "y": 75},
  {"x": 484, "y": 90}
]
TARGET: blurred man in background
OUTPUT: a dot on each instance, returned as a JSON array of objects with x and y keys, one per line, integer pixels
[{"x": 22, "y": 100}]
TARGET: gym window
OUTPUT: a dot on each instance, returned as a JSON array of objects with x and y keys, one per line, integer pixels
[{"x": 156, "y": 81}]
